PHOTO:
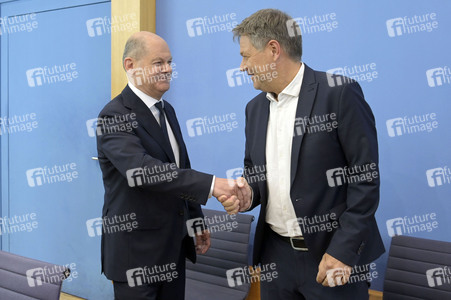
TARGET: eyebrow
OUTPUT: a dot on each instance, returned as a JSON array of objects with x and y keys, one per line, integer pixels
[{"x": 160, "y": 58}]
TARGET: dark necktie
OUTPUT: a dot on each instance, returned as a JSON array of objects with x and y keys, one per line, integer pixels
[{"x": 164, "y": 128}]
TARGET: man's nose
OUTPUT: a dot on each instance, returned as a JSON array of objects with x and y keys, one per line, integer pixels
[
  {"x": 166, "y": 68},
  {"x": 243, "y": 66}
]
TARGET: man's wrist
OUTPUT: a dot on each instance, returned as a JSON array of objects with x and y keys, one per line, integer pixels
[{"x": 252, "y": 200}]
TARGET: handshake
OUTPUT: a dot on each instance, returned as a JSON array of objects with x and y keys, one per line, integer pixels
[{"x": 234, "y": 195}]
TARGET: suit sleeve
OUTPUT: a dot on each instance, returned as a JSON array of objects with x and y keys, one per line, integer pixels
[
  {"x": 248, "y": 164},
  {"x": 195, "y": 211},
  {"x": 358, "y": 139},
  {"x": 126, "y": 152}
]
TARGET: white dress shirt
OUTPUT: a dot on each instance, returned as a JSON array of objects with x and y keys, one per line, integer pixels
[
  {"x": 150, "y": 103},
  {"x": 279, "y": 139}
]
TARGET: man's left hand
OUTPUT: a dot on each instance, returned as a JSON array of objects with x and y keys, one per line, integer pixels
[
  {"x": 202, "y": 242},
  {"x": 332, "y": 272}
]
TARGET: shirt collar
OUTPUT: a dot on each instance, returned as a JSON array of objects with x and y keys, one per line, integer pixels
[
  {"x": 148, "y": 100},
  {"x": 293, "y": 88}
]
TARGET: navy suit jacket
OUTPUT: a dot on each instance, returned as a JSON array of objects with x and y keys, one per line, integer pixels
[
  {"x": 131, "y": 138},
  {"x": 355, "y": 238}
]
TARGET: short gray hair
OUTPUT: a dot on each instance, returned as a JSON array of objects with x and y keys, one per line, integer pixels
[
  {"x": 271, "y": 24},
  {"x": 134, "y": 48}
]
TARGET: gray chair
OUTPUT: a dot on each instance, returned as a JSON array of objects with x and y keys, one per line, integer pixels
[
  {"x": 418, "y": 269},
  {"x": 23, "y": 278},
  {"x": 207, "y": 278}
]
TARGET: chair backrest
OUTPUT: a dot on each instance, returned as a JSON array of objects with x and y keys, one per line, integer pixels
[
  {"x": 418, "y": 269},
  {"x": 229, "y": 249},
  {"x": 23, "y": 278}
]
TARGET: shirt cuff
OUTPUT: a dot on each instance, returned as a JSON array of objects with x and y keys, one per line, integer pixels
[
  {"x": 212, "y": 187},
  {"x": 252, "y": 199}
]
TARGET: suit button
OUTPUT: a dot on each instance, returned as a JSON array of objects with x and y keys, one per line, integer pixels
[
  {"x": 298, "y": 199},
  {"x": 362, "y": 245}
]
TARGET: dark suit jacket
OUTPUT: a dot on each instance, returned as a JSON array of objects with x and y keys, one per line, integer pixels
[
  {"x": 356, "y": 240},
  {"x": 158, "y": 205}
]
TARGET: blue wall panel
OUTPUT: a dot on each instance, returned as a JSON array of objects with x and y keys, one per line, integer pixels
[{"x": 56, "y": 77}]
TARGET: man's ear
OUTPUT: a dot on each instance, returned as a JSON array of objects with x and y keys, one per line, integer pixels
[
  {"x": 275, "y": 49},
  {"x": 129, "y": 64}
]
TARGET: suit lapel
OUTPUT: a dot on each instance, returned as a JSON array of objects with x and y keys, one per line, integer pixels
[
  {"x": 172, "y": 119},
  {"x": 147, "y": 120},
  {"x": 304, "y": 109},
  {"x": 260, "y": 139}
]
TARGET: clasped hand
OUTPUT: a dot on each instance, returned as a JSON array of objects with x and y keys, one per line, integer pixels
[{"x": 234, "y": 195}]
